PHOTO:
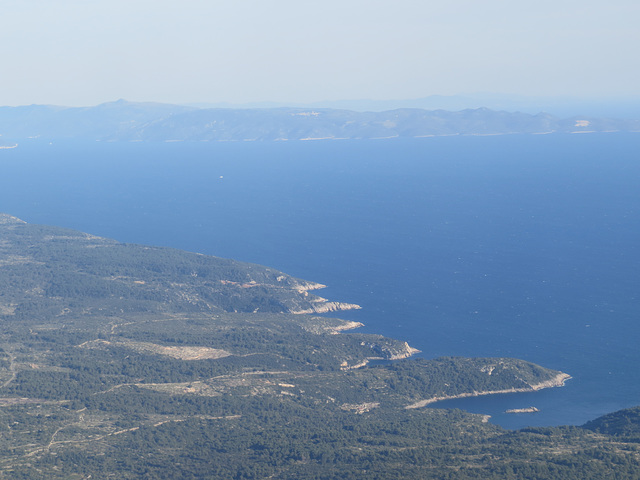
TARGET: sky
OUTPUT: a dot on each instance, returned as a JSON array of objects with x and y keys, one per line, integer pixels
[{"x": 85, "y": 52}]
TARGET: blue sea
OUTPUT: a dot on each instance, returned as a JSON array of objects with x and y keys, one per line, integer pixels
[{"x": 522, "y": 245}]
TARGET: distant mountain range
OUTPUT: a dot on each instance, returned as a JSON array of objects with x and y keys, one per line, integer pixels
[
  {"x": 611, "y": 107},
  {"x": 130, "y": 121}
]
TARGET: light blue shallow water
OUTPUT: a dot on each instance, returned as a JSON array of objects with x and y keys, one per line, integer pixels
[{"x": 521, "y": 246}]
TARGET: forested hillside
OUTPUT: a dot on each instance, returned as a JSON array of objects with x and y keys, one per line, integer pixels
[{"x": 127, "y": 361}]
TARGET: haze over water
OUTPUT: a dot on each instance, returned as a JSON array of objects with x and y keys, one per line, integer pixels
[{"x": 521, "y": 246}]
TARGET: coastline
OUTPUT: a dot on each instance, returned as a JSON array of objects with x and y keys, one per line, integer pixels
[
  {"x": 407, "y": 351},
  {"x": 557, "y": 381},
  {"x": 322, "y": 305}
]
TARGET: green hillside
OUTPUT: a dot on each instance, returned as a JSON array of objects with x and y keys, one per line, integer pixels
[{"x": 127, "y": 361}]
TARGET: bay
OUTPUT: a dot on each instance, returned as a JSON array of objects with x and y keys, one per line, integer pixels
[{"x": 521, "y": 246}]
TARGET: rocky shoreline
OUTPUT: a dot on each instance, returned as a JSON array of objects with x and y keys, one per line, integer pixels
[
  {"x": 522, "y": 410},
  {"x": 321, "y": 305},
  {"x": 557, "y": 381}
]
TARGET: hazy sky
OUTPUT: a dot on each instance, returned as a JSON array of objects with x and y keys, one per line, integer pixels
[{"x": 84, "y": 52}]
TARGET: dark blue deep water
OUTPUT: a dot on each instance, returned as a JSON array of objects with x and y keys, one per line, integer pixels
[{"x": 523, "y": 246}]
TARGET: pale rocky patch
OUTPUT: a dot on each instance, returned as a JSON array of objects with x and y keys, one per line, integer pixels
[
  {"x": 179, "y": 352},
  {"x": 360, "y": 408}
]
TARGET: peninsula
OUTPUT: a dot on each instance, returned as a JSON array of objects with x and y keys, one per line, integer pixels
[{"x": 134, "y": 361}]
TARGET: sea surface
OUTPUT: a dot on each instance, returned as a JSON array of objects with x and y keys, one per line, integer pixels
[{"x": 506, "y": 246}]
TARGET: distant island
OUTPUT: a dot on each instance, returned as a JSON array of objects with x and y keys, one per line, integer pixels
[
  {"x": 133, "y": 122},
  {"x": 130, "y": 361}
]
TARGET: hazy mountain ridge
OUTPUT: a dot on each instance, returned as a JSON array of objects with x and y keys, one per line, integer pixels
[
  {"x": 562, "y": 107},
  {"x": 129, "y": 121},
  {"x": 51, "y": 121}
]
